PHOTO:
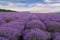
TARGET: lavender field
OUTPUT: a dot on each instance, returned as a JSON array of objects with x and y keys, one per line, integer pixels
[{"x": 29, "y": 26}]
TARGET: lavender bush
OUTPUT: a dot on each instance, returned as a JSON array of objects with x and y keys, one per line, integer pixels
[
  {"x": 29, "y": 26},
  {"x": 35, "y": 24},
  {"x": 36, "y": 34},
  {"x": 56, "y": 36},
  {"x": 52, "y": 26},
  {"x": 10, "y": 33},
  {"x": 3, "y": 38}
]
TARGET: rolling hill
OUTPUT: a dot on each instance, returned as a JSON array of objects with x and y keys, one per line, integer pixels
[{"x": 5, "y": 10}]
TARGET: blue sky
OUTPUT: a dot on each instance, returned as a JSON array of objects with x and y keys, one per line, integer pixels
[
  {"x": 25, "y": 1},
  {"x": 31, "y": 5}
]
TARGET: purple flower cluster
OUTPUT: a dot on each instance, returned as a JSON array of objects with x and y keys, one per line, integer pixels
[
  {"x": 56, "y": 36},
  {"x": 10, "y": 33},
  {"x": 3, "y": 38},
  {"x": 36, "y": 34},
  {"x": 2, "y": 22},
  {"x": 52, "y": 26},
  {"x": 29, "y": 26},
  {"x": 35, "y": 24}
]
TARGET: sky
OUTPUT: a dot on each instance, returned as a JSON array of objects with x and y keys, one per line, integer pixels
[{"x": 31, "y": 5}]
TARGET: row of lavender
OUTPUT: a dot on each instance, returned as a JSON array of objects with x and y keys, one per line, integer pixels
[{"x": 29, "y": 26}]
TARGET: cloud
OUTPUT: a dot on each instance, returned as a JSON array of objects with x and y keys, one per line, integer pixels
[
  {"x": 45, "y": 8},
  {"x": 55, "y": 0},
  {"x": 35, "y": 7},
  {"x": 54, "y": 5},
  {"x": 10, "y": 4},
  {"x": 48, "y": 1},
  {"x": 52, "y": 1}
]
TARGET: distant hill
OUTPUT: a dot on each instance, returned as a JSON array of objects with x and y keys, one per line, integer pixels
[{"x": 4, "y": 10}]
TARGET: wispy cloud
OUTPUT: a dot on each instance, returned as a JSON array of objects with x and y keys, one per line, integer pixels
[
  {"x": 34, "y": 7},
  {"x": 54, "y": 1},
  {"x": 48, "y": 1},
  {"x": 54, "y": 5}
]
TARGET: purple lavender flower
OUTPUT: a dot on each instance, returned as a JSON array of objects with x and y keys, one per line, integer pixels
[
  {"x": 21, "y": 21},
  {"x": 9, "y": 19},
  {"x": 2, "y": 22},
  {"x": 33, "y": 17},
  {"x": 14, "y": 24},
  {"x": 51, "y": 16},
  {"x": 56, "y": 36},
  {"x": 24, "y": 18},
  {"x": 36, "y": 34},
  {"x": 10, "y": 33},
  {"x": 36, "y": 24},
  {"x": 52, "y": 26},
  {"x": 3, "y": 38},
  {"x": 42, "y": 17},
  {"x": 56, "y": 19}
]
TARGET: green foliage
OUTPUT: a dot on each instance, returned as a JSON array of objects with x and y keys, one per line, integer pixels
[{"x": 4, "y": 10}]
